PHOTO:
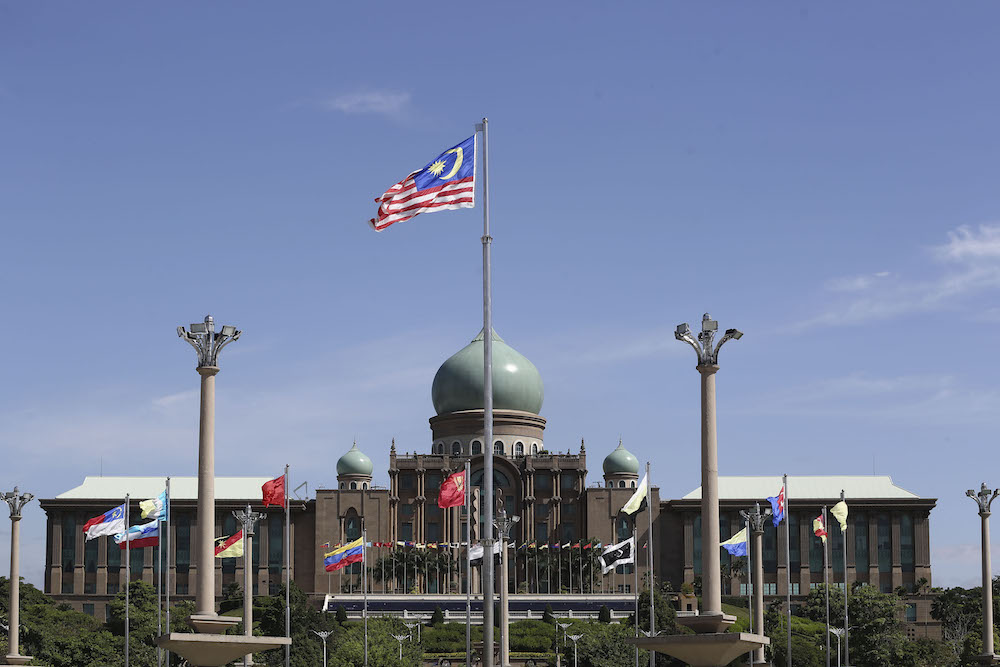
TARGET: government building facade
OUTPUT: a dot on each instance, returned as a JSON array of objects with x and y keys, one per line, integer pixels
[{"x": 563, "y": 522}]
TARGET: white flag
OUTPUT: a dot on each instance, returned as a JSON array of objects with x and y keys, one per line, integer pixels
[{"x": 614, "y": 555}]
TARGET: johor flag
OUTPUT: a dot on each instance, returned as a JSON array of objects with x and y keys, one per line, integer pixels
[
  {"x": 778, "y": 506},
  {"x": 819, "y": 527},
  {"x": 446, "y": 182},
  {"x": 143, "y": 535},
  {"x": 737, "y": 544},
  {"x": 109, "y": 523},
  {"x": 274, "y": 492},
  {"x": 452, "y": 493}
]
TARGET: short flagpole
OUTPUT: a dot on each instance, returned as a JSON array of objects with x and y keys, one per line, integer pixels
[
  {"x": 750, "y": 593},
  {"x": 826, "y": 582},
  {"x": 847, "y": 589},
  {"x": 468, "y": 567},
  {"x": 649, "y": 556},
  {"x": 167, "y": 573},
  {"x": 128, "y": 576},
  {"x": 788, "y": 564},
  {"x": 288, "y": 572}
]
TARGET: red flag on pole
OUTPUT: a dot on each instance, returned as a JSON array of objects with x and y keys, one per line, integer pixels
[
  {"x": 274, "y": 492},
  {"x": 452, "y": 491}
]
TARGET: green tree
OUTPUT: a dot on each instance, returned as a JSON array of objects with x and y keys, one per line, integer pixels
[
  {"x": 958, "y": 610},
  {"x": 604, "y": 615},
  {"x": 877, "y": 637},
  {"x": 815, "y": 607},
  {"x": 437, "y": 618}
]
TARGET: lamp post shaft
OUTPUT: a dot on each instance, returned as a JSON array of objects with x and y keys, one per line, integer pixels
[
  {"x": 710, "y": 557},
  {"x": 13, "y": 635},
  {"x": 987, "y": 587},
  {"x": 504, "y": 610},
  {"x": 758, "y": 591},
  {"x": 205, "y": 593}
]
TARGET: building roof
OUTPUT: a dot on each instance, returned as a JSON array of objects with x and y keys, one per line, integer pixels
[
  {"x": 354, "y": 462},
  {"x": 808, "y": 487},
  {"x": 458, "y": 384},
  {"x": 181, "y": 488},
  {"x": 621, "y": 461}
]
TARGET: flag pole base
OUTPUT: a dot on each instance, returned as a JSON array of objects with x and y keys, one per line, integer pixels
[
  {"x": 212, "y": 624},
  {"x": 707, "y": 623},
  {"x": 213, "y": 650},
  {"x": 988, "y": 659},
  {"x": 14, "y": 659},
  {"x": 716, "y": 649}
]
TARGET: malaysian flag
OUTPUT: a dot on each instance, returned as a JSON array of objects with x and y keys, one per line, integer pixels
[{"x": 446, "y": 182}]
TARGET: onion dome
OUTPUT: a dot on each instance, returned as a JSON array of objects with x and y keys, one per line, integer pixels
[
  {"x": 621, "y": 462},
  {"x": 458, "y": 384},
  {"x": 354, "y": 462}
]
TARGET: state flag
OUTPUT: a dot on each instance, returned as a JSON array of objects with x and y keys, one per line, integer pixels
[
  {"x": 111, "y": 522},
  {"x": 638, "y": 500},
  {"x": 274, "y": 492},
  {"x": 839, "y": 511},
  {"x": 777, "y": 506},
  {"x": 614, "y": 555},
  {"x": 452, "y": 492},
  {"x": 143, "y": 535},
  {"x": 819, "y": 528},
  {"x": 229, "y": 547},
  {"x": 737, "y": 544}
]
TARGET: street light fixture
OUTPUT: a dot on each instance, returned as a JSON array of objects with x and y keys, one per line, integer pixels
[
  {"x": 504, "y": 524},
  {"x": 323, "y": 635},
  {"x": 16, "y": 501},
  {"x": 839, "y": 632},
  {"x": 400, "y": 638},
  {"x": 410, "y": 626},
  {"x": 985, "y": 499},
  {"x": 755, "y": 520},
  {"x": 575, "y": 639},
  {"x": 248, "y": 518}
]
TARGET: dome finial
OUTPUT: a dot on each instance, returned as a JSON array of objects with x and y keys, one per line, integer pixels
[{"x": 583, "y": 446}]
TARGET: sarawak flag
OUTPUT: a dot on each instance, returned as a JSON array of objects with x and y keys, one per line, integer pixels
[
  {"x": 274, "y": 492},
  {"x": 819, "y": 528},
  {"x": 446, "y": 182},
  {"x": 452, "y": 492},
  {"x": 229, "y": 547}
]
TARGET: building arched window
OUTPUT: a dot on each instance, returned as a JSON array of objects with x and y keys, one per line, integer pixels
[
  {"x": 621, "y": 484},
  {"x": 364, "y": 485},
  {"x": 343, "y": 486},
  {"x": 633, "y": 484},
  {"x": 519, "y": 449},
  {"x": 609, "y": 484},
  {"x": 477, "y": 447},
  {"x": 354, "y": 485},
  {"x": 498, "y": 448},
  {"x": 534, "y": 449},
  {"x": 456, "y": 448}
]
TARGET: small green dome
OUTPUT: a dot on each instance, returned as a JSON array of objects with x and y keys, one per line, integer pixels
[
  {"x": 458, "y": 385},
  {"x": 354, "y": 462},
  {"x": 621, "y": 461}
]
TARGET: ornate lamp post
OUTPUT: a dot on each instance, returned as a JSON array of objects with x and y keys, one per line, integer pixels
[
  {"x": 323, "y": 635},
  {"x": 575, "y": 639},
  {"x": 985, "y": 499},
  {"x": 248, "y": 519},
  {"x": 16, "y": 501},
  {"x": 756, "y": 520},
  {"x": 410, "y": 626},
  {"x": 400, "y": 638},
  {"x": 503, "y": 524},
  {"x": 207, "y": 343}
]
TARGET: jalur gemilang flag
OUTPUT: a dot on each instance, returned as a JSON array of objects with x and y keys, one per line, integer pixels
[
  {"x": 446, "y": 182},
  {"x": 109, "y": 523}
]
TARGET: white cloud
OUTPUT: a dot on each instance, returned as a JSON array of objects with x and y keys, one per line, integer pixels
[
  {"x": 970, "y": 262},
  {"x": 171, "y": 400},
  {"x": 384, "y": 102},
  {"x": 959, "y": 565}
]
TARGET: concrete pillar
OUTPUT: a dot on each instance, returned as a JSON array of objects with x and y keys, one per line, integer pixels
[
  {"x": 710, "y": 557},
  {"x": 987, "y": 587},
  {"x": 14, "y": 611},
  {"x": 758, "y": 592},
  {"x": 205, "y": 586},
  {"x": 504, "y": 607}
]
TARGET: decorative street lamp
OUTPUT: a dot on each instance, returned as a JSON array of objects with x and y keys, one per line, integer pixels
[
  {"x": 503, "y": 524},
  {"x": 16, "y": 501},
  {"x": 248, "y": 518},
  {"x": 323, "y": 635},
  {"x": 755, "y": 519},
  {"x": 400, "y": 638},
  {"x": 575, "y": 639},
  {"x": 207, "y": 343},
  {"x": 985, "y": 499},
  {"x": 410, "y": 627},
  {"x": 711, "y": 618}
]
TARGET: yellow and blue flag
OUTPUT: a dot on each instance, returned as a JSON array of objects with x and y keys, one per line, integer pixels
[
  {"x": 352, "y": 552},
  {"x": 737, "y": 544}
]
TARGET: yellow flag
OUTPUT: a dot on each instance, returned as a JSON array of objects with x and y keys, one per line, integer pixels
[
  {"x": 635, "y": 503},
  {"x": 840, "y": 512},
  {"x": 229, "y": 547}
]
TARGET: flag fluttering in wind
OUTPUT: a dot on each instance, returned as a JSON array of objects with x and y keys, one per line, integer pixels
[
  {"x": 477, "y": 550},
  {"x": 274, "y": 492},
  {"x": 229, "y": 547},
  {"x": 446, "y": 182},
  {"x": 352, "y": 552},
  {"x": 638, "y": 500},
  {"x": 614, "y": 555},
  {"x": 154, "y": 508},
  {"x": 777, "y": 506},
  {"x": 111, "y": 522},
  {"x": 452, "y": 492},
  {"x": 143, "y": 535},
  {"x": 840, "y": 512},
  {"x": 737, "y": 544},
  {"x": 819, "y": 528}
]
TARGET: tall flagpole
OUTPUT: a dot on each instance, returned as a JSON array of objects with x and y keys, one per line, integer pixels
[
  {"x": 788, "y": 565},
  {"x": 468, "y": 567},
  {"x": 159, "y": 591},
  {"x": 847, "y": 589},
  {"x": 488, "y": 587},
  {"x": 167, "y": 573},
  {"x": 649, "y": 556},
  {"x": 288, "y": 571},
  {"x": 826, "y": 583},
  {"x": 128, "y": 576},
  {"x": 364, "y": 582}
]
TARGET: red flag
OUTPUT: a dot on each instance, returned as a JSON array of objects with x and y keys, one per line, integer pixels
[
  {"x": 452, "y": 491},
  {"x": 819, "y": 528},
  {"x": 274, "y": 492}
]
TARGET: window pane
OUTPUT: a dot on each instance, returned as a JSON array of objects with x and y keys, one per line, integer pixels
[
  {"x": 137, "y": 558},
  {"x": 275, "y": 555},
  {"x": 884, "y": 544},
  {"x": 770, "y": 547},
  {"x": 794, "y": 545},
  {"x": 861, "y": 544},
  {"x": 836, "y": 546},
  {"x": 906, "y": 540}
]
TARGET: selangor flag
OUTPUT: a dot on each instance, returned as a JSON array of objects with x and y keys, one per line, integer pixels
[
  {"x": 144, "y": 535},
  {"x": 737, "y": 544},
  {"x": 229, "y": 547},
  {"x": 274, "y": 492},
  {"x": 777, "y": 506},
  {"x": 840, "y": 512},
  {"x": 109, "y": 523},
  {"x": 352, "y": 552},
  {"x": 819, "y": 528},
  {"x": 452, "y": 492},
  {"x": 446, "y": 182},
  {"x": 154, "y": 508}
]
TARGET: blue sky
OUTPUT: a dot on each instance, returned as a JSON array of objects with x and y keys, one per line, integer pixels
[{"x": 822, "y": 177}]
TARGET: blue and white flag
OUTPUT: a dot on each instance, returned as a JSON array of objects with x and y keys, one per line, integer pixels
[
  {"x": 143, "y": 535},
  {"x": 154, "y": 508},
  {"x": 737, "y": 544},
  {"x": 777, "y": 506}
]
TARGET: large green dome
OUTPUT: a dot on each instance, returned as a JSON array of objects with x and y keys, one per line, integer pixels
[
  {"x": 621, "y": 461},
  {"x": 354, "y": 462},
  {"x": 458, "y": 385}
]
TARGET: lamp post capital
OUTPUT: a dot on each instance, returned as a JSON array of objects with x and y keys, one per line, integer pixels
[
  {"x": 708, "y": 356},
  {"x": 756, "y": 518},
  {"x": 16, "y": 501},
  {"x": 984, "y": 498},
  {"x": 208, "y": 342}
]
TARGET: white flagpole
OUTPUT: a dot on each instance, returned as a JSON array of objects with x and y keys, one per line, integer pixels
[
  {"x": 487, "y": 537},
  {"x": 635, "y": 569},
  {"x": 746, "y": 526},
  {"x": 167, "y": 573},
  {"x": 288, "y": 572},
  {"x": 159, "y": 590},
  {"x": 364, "y": 582},
  {"x": 843, "y": 534},
  {"x": 649, "y": 541},
  {"x": 468, "y": 568},
  {"x": 826, "y": 583},
  {"x": 788, "y": 564},
  {"x": 128, "y": 576}
]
